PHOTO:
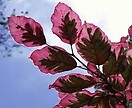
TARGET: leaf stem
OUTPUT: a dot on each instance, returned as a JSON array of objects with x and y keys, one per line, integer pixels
[
  {"x": 86, "y": 68},
  {"x": 82, "y": 67},
  {"x": 72, "y": 49},
  {"x": 99, "y": 74},
  {"x": 112, "y": 89}
]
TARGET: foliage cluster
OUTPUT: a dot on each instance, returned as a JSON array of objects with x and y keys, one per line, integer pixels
[{"x": 109, "y": 64}]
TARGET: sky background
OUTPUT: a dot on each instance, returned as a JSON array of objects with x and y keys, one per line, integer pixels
[{"x": 22, "y": 85}]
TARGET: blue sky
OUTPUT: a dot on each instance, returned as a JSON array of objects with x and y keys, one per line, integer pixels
[{"x": 22, "y": 85}]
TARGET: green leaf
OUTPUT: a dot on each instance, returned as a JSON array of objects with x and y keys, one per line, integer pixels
[
  {"x": 94, "y": 47},
  {"x": 73, "y": 83}
]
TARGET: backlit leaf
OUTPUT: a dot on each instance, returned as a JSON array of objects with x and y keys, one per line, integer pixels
[
  {"x": 66, "y": 23},
  {"x": 127, "y": 74},
  {"x": 93, "y": 45},
  {"x": 73, "y": 83},
  {"x": 53, "y": 60},
  {"x": 114, "y": 66},
  {"x": 94, "y": 70},
  {"x": 92, "y": 67},
  {"x": 85, "y": 99},
  {"x": 118, "y": 47},
  {"x": 129, "y": 53},
  {"x": 128, "y": 92},
  {"x": 104, "y": 100},
  {"x": 130, "y": 32},
  {"x": 26, "y": 31},
  {"x": 117, "y": 82},
  {"x": 76, "y": 100}
]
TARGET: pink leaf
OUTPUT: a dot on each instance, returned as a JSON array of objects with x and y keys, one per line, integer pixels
[
  {"x": 93, "y": 45},
  {"x": 130, "y": 32},
  {"x": 73, "y": 83},
  {"x": 120, "y": 106},
  {"x": 129, "y": 95},
  {"x": 129, "y": 53},
  {"x": 85, "y": 99},
  {"x": 123, "y": 39},
  {"x": 130, "y": 46},
  {"x": 115, "y": 65},
  {"x": 53, "y": 60},
  {"x": 26, "y": 31},
  {"x": 129, "y": 87},
  {"x": 128, "y": 92},
  {"x": 88, "y": 106},
  {"x": 117, "y": 82},
  {"x": 58, "y": 106},
  {"x": 92, "y": 67},
  {"x": 60, "y": 94},
  {"x": 66, "y": 23},
  {"x": 90, "y": 29},
  {"x": 76, "y": 100},
  {"x": 116, "y": 48}
]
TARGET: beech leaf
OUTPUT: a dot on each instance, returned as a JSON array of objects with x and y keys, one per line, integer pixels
[
  {"x": 53, "y": 60},
  {"x": 92, "y": 67},
  {"x": 104, "y": 100},
  {"x": 114, "y": 66},
  {"x": 130, "y": 32},
  {"x": 73, "y": 83},
  {"x": 127, "y": 74},
  {"x": 119, "y": 47},
  {"x": 117, "y": 82},
  {"x": 85, "y": 99},
  {"x": 26, "y": 31},
  {"x": 93, "y": 45},
  {"x": 128, "y": 93},
  {"x": 66, "y": 23},
  {"x": 76, "y": 100}
]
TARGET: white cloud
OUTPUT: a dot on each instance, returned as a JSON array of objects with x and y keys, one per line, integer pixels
[{"x": 114, "y": 16}]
